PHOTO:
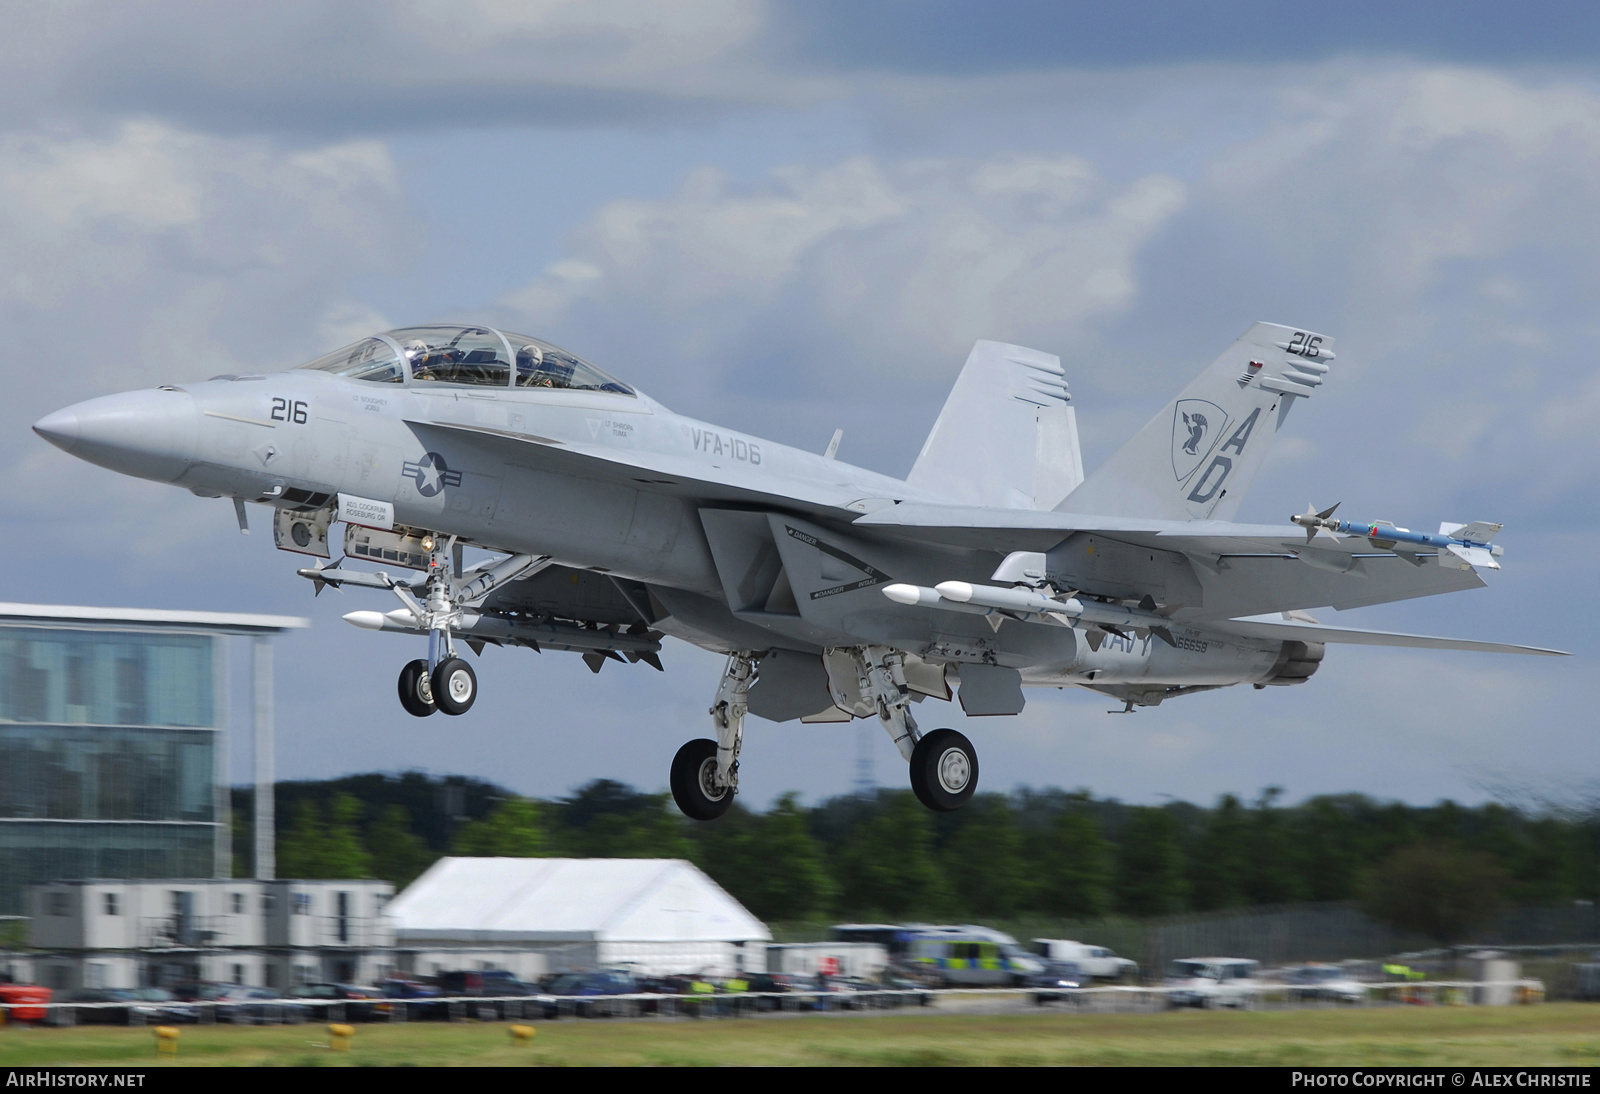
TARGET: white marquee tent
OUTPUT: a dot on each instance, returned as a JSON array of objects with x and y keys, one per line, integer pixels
[{"x": 536, "y": 915}]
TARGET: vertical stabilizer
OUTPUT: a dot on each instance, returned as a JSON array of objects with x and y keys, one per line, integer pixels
[
  {"x": 1007, "y": 435},
  {"x": 1196, "y": 458}
]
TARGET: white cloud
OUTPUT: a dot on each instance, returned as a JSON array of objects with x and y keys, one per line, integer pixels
[
  {"x": 905, "y": 262},
  {"x": 324, "y": 66},
  {"x": 154, "y": 254}
]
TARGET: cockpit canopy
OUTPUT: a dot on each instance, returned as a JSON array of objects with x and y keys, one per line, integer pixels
[{"x": 478, "y": 356}]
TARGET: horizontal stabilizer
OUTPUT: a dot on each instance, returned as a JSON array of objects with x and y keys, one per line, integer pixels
[{"x": 1275, "y": 626}]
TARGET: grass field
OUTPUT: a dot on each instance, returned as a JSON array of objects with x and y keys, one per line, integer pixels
[{"x": 1556, "y": 1033}]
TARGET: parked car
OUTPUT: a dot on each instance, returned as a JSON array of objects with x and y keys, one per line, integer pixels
[
  {"x": 587, "y": 994},
  {"x": 270, "y": 1007},
  {"x": 421, "y": 1001},
  {"x": 1326, "y": 983},
  {"x": 1096, "y": 962},
  {"x": 907, "y": 991},
  {"x": 499, "y": 982},
  {"x": 242, "y": 1005},
  {"x": 1059, "y": 980},
  {"x": 1213, "y": 982},
  {"x": 768, "y": 986},
  {"x": 128, "y": 1007},
  {"x": 360, "y": 1004}
]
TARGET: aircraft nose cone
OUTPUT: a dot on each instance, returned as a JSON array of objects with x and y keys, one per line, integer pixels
[
  {"x": 150, "y": 434},
  {"x": 60, "y": 429}
]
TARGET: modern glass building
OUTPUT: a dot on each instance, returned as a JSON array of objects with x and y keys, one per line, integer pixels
[{"x": 113, "y": 743}]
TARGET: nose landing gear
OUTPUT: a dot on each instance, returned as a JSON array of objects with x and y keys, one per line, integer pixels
[
  {"x": 416, "y": 690},
  {"x": 444, "y": 681},
  {"x": 451, "y": 687},
  {"x": 454, "y": 686}
]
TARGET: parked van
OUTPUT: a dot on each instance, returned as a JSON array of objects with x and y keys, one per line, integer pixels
[
  {"x": 1097, "y": 962},
  {"x": 971, "y": 957},
  {"x": 1213, "y": 982}
]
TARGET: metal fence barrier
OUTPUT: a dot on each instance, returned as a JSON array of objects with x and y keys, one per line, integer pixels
[{"x": 1112, "y": 999}]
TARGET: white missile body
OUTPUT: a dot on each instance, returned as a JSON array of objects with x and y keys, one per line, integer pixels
[{"x": 964, "y": 596}]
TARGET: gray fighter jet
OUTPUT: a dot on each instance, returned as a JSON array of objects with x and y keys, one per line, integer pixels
[{"x": 834, "y": 592}]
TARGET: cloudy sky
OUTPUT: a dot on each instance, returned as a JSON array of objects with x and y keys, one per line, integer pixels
[{"x": 789, "y": 217}]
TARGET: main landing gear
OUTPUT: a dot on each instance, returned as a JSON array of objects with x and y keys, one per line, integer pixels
[
  {"x": 944, "y": 770},
  {"x": 866, "y": 680},
  {"x": 944, "y": 765},
  {"x": 705, "y": 773}
]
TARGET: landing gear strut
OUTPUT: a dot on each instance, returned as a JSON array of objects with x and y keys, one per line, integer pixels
[
  {"x": 705, "y": 773},
  {"x": 444, "y": 681},
  {"x": 944, "y": 765}
]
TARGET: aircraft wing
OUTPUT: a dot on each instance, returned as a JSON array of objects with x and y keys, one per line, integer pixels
[
  {"x": 1241, "y": 569},
  {"x": 1276, "y": 628}
]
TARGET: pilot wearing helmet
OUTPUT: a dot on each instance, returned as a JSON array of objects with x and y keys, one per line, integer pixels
[{"x": 530, "y": 368}]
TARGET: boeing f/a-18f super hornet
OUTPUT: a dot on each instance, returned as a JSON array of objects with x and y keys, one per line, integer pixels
[{"x": 834, "y": 592}]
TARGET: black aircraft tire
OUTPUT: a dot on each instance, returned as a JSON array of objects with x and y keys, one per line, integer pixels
[
  {"x": 691, "y": 767},
  {"x": 455, "y": 686},
  {"x": 412, "y": 680},
  {"x": 944, "y": 770}
]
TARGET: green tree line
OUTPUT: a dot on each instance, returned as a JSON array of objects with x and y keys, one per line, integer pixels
[{"x": 1031, "y": 852}]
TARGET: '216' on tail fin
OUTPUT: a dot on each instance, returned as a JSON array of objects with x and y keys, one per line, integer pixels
[{"x": 1197, "y": 457}]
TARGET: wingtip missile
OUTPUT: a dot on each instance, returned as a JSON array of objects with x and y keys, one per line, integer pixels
[
  {"x": 1316, "y": 523},
  {"x": 1464, "y": 545}
]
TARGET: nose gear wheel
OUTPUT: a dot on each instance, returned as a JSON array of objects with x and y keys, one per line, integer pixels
[
  {"x": 416, "y": 690},
  {"x": 454, "y": 686}
]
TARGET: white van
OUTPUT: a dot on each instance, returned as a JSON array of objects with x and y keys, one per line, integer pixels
[
  {"x": 971, "y": 957},
  {"x": 1097, "y": 962},
  {"x": 1213, "y": 982}
]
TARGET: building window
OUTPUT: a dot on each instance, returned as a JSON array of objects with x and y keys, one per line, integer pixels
[
  {"x": 55, "y": 903},
  {"x": 238, "y": 974},
  {"x": 238, "y": 905},
  {"x": 267, "y": 902},
  {"x": 302, "y": 904},
  {"x": 111, "y": 905}
]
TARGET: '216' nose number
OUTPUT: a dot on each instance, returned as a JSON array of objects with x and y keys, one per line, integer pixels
[{"x": 287, "y": 410}]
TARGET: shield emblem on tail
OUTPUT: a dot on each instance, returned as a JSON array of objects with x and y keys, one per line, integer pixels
[{"x": 1196, "y": 425}]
